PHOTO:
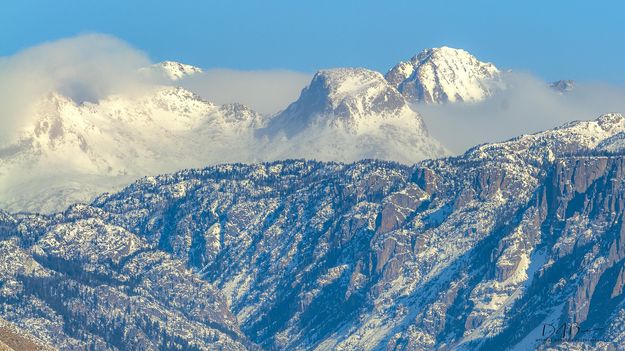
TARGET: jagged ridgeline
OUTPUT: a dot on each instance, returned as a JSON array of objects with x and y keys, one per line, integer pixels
[
  {"x": 490, "y": 250},
  {"x": 70, "y": 151}
]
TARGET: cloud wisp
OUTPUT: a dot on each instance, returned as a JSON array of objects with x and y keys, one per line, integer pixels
[
  {"x": 84, "y": 68},
  {"x": 90, "y": 67},
  {"x": 266, "y": 91},
  {"x": 527, "y": 105}
]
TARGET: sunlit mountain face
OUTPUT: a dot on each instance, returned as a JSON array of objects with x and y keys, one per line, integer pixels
[{"x": 436, "y": 201}]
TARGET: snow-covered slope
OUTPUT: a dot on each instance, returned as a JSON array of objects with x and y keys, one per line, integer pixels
[
  {"x": 73, "y": 151},
  {"x": 346, "y": 114},
  {"x": 89, "y": 285},
  {"x": 490, "y": 250},
  {"x": 443, "y": 75}
]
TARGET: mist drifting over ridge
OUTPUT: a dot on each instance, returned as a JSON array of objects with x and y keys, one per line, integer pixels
[
  {"x": 527, "y": 105},
  {"x": 93, "y": 66},
  {"x": 103, "y": 114}
]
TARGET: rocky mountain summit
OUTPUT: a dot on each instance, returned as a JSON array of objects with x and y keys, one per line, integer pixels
[
  {"x": 354, "y": 97},
  {"x": 348, "y": 114},
  {"x": 442, "y": 75},
  {"x": 515, "y": 245}
]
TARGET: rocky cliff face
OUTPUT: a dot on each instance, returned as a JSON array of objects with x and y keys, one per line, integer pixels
[{"x": 501, "y": 248}]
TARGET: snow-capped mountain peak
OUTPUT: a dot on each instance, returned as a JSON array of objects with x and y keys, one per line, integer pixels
[
  {"x": 353, "y": 96},
  {"x": 444, "y": 74},
  {"x": 342, "y": 83},
  {"x": 347, "y": 114},
  {"x": 174, "y": 70},
  {"x": 355, "y": 93}
]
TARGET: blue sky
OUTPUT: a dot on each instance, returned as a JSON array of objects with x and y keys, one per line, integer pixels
[{"x": 581, "y": 40}]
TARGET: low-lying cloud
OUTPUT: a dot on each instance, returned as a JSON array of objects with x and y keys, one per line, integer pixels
[
  {"x": 92, "y": 66},
  {"x": 267, "y": 91},
  {"x": 84, "y": 68},
  {"x": 528, "y": 105}
]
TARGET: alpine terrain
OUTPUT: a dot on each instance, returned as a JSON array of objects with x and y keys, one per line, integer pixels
[
  {"x": 444, "y": 74},
  {"x": 516, "y": 245},
  {"x": 73, "y": 150},
  {"x": 348, "y": 114}
]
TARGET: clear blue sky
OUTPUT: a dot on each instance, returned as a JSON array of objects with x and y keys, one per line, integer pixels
[{"x": 583, "y": 40}]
